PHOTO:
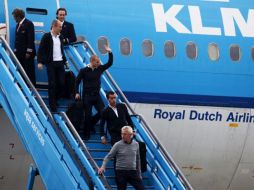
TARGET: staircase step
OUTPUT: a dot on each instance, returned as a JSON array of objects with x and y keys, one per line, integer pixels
[
  {"x": 100, "y": 154},
  {"x": 97, "y": 144},
  {"x": 99, "y": 162},
  {"x": 95, "y": 137},
  {"x": 114, "y": 187}
]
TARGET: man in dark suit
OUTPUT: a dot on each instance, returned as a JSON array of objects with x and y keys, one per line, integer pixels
[
  {"x": 24, "y": 47},
  {"x": 68, "y": 31},
  {"x": 51, "y": 54},
  {"x": 116, "y": 116}
]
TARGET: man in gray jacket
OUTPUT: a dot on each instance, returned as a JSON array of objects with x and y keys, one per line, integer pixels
[{"x": 126, "y": 152}]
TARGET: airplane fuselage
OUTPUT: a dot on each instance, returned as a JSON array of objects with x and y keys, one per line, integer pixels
[{"x": 187, "y": 66}]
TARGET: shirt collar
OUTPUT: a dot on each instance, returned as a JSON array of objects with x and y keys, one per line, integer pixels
[
  {"x": 57, "y": 36},
  {"x": 111, "y": 106},
  {"x": 22, "y": 21},
  {"x": 89, "y": 66},
  {"x": 61, "y": 22}
]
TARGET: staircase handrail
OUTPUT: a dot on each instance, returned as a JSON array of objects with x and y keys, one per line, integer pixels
[
  {"x": 146, "y": 125},
  {"x": 83, "y": 147},
  {"x": 28, "y": 82}
]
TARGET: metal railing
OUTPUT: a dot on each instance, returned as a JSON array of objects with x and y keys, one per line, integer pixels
[
  {"x": 28, "y": 82},
  {"x": 148, "y": 129},
  {"x": 84, "y": 148}
]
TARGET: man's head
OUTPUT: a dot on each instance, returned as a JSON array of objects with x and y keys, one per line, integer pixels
[
  {"x": 56, "y": 27},
  {"x": 95, "y": 61},
  {"x": 111, "y": 96},
  {"x": 18, "y": 15},
  {"x": 61, "y": 13},
  {"x": 127, "y": 134}
]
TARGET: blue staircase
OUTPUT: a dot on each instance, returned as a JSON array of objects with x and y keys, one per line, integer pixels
[
  {"x": 162, "y": 172},
  {"x": 61, "y": 157}
]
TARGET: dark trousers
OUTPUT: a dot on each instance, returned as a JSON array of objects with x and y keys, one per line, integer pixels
[
  {"x": 90, "y": 120},
  {"x": 28, "y": 66},
  {"x": 128, "y": 176},
  {"x": 56, "y": 74},
  {"x": 114, "y": 138}
]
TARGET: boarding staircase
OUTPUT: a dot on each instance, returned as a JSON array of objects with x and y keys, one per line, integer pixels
[{"x": 62, "y": 159}]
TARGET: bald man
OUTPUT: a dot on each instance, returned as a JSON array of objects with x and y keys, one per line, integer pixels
[{"x": 90, "y": 75}]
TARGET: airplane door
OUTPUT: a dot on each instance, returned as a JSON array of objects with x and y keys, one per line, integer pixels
[{"x": 2, "y": 21}]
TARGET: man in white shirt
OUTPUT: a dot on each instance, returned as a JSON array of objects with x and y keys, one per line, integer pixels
[{"x": 51, "y": 54}]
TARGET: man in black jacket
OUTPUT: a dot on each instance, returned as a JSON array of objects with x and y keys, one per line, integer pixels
[
  {"x": 116, "y": 116},
  {"x": 51, "y": 54},
  {"x": 90, "y": 75},
  {"x": 68, "y": 31},
  {"x": 24, "y": 47}
]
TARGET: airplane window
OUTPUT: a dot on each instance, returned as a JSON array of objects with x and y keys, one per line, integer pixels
[
  {"x": 36, "y": 11},
  {"x": 125, "y": 46},
  {"x": 169, "y": 49},
  {"x": 235, "y": 52},
  {"x": 102, "y": 41},
  {"x": 191, "y": 50},
  {"x": 213, "y": 52},
  {"x": 81, "y": 38},
  {"x": 252, "y": 53},
  {"x": 147, "y": 48}
]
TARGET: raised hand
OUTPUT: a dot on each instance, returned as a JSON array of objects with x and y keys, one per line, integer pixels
[{"x": 107, "y": 48}]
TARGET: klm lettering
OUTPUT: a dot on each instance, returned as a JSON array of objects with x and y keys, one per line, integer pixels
[{"x": 231, "y": 17}]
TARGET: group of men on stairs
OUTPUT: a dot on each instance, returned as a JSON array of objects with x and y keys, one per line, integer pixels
[{"x": 125, "y": 150}]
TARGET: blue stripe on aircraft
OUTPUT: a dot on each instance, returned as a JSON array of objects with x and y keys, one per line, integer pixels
[{"x": 182, "y": 99}]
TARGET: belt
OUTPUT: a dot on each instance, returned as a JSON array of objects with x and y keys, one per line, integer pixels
[{"x": 57, "y": 61}]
